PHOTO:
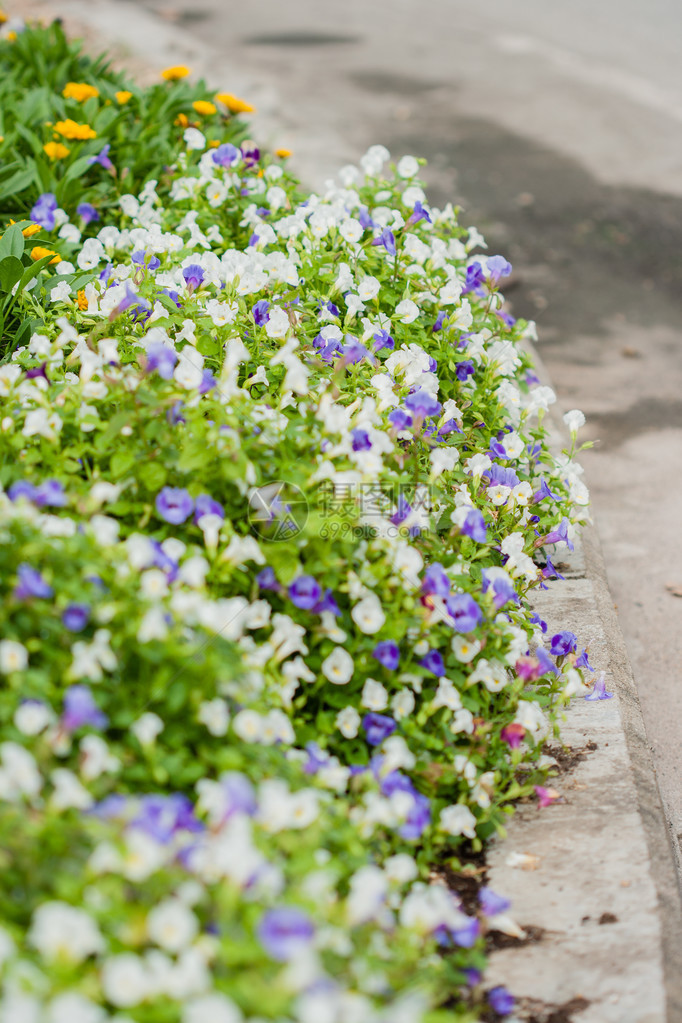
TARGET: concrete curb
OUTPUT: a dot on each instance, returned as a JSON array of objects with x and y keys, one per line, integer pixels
[{"x": 601, "y": 900}]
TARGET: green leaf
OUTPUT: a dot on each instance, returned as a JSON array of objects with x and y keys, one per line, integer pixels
[
  {"x": 17, "y": 183},
  {"x": 121, "y": 463},
  {"x": 12, "y": 243},
  {"x": 11, "y": 270},
  {"x": 153, "y": 475}
]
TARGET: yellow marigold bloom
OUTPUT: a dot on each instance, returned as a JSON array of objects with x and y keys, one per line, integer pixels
[
  {"x": 82, "y": 301},
  {"x": 177, "y": 71},
  {"x": 39, "y": 252},
  {"x": 283, "y": 153},
  {"x": 205, "y": 107},
  {"x": 182, "y": 120},
  {"x": 72, "y": 130},
  {"x": 31, "y": 230},
  {"x": 80, "y": 91},
  {"x": 123, "y": 96},
  {"x": 56, "y": 151},
  {"x": 234, "y": 104}
]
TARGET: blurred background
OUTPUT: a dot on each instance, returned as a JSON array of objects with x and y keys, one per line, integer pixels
[{"x": 558, "y": 129}]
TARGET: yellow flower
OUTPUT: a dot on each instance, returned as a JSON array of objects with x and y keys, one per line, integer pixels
[
  {"x": 31, "y": 230},
  {"x": 39, "y": 252},
  {"x": 56, "y": 151},
  {"x": 72, "y": 130},
  {"x": 182, "y": 120},
  {"x": 213, "y": 143},
  {"x": 123, "y": 96},
  {"x": 3, "y": 17},
  {"x": 283, "y": 153},
  {"x": 82, "y": 301},
  {"x": 234, "y": 104},
  {"x": 11, "y": 37},
  {"x": 80, "y": 91},
  {"x": 204, "y": 107},
  {"x": 172, "y": 74}
]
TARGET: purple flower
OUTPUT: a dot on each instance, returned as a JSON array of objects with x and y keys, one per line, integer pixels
[
  {"x": 464, "y": 369},
  {"x": 387, "y": 240},
  {"x": 498, "y": 267},
  {"x": 162, "y": 359},
  {"x": 102, "y": 158},
  {"x": 466, "y": 935},
  {"x": 22, "y": 488},
  {"x": 475, "y": 527},
  {"x": 250, "y": 154},
  {"x": 260, "y": 312},
  {"x": 162, "y": 817},
  {"x": 387, "y": 653},
  {"x": 501, "y": 1001},
  {"x": 563, "y": 643},
  {"x": 559, "y": 534},
  {"x": 473, "y": 976},
  {"x": 226, "y": 155},
  {"x": 433, "y": 662},
  {"x": 400, "y": 419},
  {"x": 87, "y": 212},
  {"x": 423, "y": 404},
  {"x": 364, "y": 218},
  {"x": 80, "y": 709},
  {"x": 377, "y": 728},
  {"x": 599, "y": 690},
  {"x": 284, "y": 932},
  {"x": 305, "y": 592},
  {"x": 546, "y": 663},
  {"x": 207, "y": 383},
  {"x": 382, "y": 339},
  {"x": 465, "y": 612},
  {"x": 138, "y": 305},
  {"x": 43, "y": 211},
  {"x": 492, "y": 903},
  {"x": 543, "y": 492},
  {"x": 174, "y": 504},
  {"x": 327, "y": 603},
  {"x": 353, "y": 352},
  {"x": 418, "y": 817},
  {"x": 360, "y": 439},
  {"x": 50, "y": 494},
  {"x": 436, "y": 581},
  {"x": 267, "y": 580},
  {"x": 75, "y": 617},
  {"x": 205, "y": 505},
  {"x": 549, "y": 571},
  {"x": 419, "y": 213},
  {"x": 582, "y": 661},
  {"x": 194, "y": 275},
  {"x": 151, "y": 261},
  {"x": 30, "y": 583},
  {"x": 239, "y": 794},
  {"x": 474, "y": 278}
]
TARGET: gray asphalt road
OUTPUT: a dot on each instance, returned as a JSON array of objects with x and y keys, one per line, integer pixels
[{"x": 559, "y": 129}]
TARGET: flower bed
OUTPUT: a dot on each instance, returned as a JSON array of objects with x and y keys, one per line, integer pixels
[{"x": 276, "y": 491}]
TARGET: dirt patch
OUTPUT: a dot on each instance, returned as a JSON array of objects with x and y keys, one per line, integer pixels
[{"x": 568, "y": 758}]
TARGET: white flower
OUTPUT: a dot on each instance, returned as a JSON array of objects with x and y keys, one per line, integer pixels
[
  {"x": 458, "y": 820},
  {"x": 59, "y": 929},
  {"x": 402, "y": 704},
  {"x": 574, "y": 420},
  {"x": 348, "y": 722},
  {"x": 338, "y": 666},
  {"x": 13, "y": 656},
  {"x": 368, "y": 288},
  {"x": 19, "y": 774},
  {"x": 477, "y": 465},
  {"x": 407, "y": 167},
  {"x": 32, "y": 717},
  {"x": 248, "y": 725},
  {"x": 72, "y": 1007},
  {"x": 97, "y": 759},
  {"x": 374, "y": 695},
  {"x": 407, "y": 311},
  {"x": 125, "y": 980},
  {"x": 146, "y": 728},
  {"x": 172, "y": 925},
  {"x": 278, "y": 324},
  {"x": 368, "y": 614},
  {"x": 465, "y": 649},
  {"x": 215, "y": 715},
  {"x": 400, "y": 868},
  {"x": 443, "y": 460},
  {"x": 68, "y": 791},
  {"x": 194, "y": 139},
  {"x": 211, "y": 1008}
]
